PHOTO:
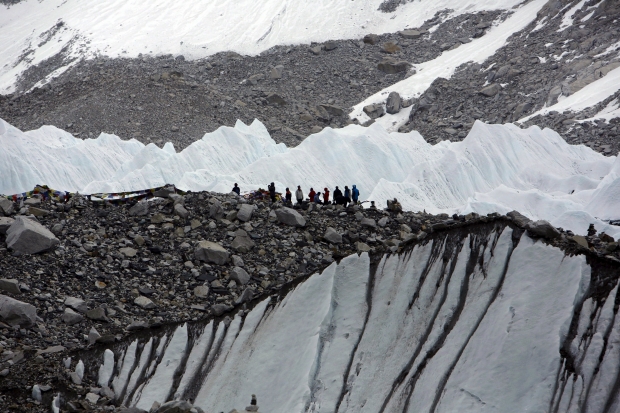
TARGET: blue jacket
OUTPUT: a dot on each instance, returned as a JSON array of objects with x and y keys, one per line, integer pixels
[{"x": 356, "y": 193}]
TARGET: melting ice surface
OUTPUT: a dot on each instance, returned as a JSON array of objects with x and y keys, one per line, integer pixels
[
  {"x": 497, "y": 168},
  {"x": 469, "y": 323}
]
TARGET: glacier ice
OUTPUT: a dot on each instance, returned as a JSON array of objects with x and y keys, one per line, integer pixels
[
  {"x": 497, "y": 168},
  {"x": 468, "y": 322}
]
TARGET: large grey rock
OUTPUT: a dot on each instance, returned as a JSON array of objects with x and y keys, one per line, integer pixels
[
  {"x": 543, "y": 229},
  {"x": 216, "y": 211},
  {"x": 332, "y": 236},
  {"x": 392, "y": 105},
  {"x": 17, "y": 313},
  {"x": 245, "y": 212},
  {"x": 518, "y": 218},
  {"x": 374, "y": 111},
  {"x": 139, "y": 209},
  {"x": 290, "y": 217},
  {"x": 144, "y": 302},
  {"x": 10, "y": 286},
  {"x": 219, "y": 309},
  {"x": 242, "y": 242},
  {"x": 6, "y": 207},
  {"x": 181, "y": 211},
  {"x": 239, "y": 275},
  {"x": 410, "y": 34},
  {"x": 333, "y": 110},
  {"x": 201, "y": 291},
  {"x": 97, "y": 314},
  {"x": 77, "y": 304},
  {"x": 211, "y": 252},
  {"x": 26, "y": 236},
  {"x": 490, "y": 90},
  {"x": 276, "y": 72},
  {"x": 245, "y": 296},
  {"x": 391, "y": 67},
  {"x": 368, "y": 222},
  {"x": 5, "y": 224},
  {"x": 70, "y": 317}
]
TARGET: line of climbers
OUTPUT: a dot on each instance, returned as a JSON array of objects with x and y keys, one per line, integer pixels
[
  {"x": 339, "y": 198},
  {"x": 350, "y": 196}
]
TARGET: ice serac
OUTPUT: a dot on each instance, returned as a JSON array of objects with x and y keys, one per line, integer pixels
[
  {"x": 497, "y": 168},
  {"x": 472, "y": 321}
]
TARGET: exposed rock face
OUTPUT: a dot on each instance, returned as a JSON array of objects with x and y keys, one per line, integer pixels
[
  {"x": 290, "y": 217},
  {"x": 26, "y": 236},
  {"x": 211, "y": 252},
  {"x": 17, "y": 313}
]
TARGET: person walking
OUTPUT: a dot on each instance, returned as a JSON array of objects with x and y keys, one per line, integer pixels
[
  {"x": 311, "y": 194},
  {"x": 355, "y": 193},
  {"x": 299, "y": 195},
  {"x": 272, "y": 192},
  {"x": 289, "y": 197},
  {"x": 236, "y": 189},
  {"x": 325, "y": 196}
]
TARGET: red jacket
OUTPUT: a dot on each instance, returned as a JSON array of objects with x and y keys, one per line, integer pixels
[
  {"x": 311, "y": 195},
  {"x": 326, "y": 196}
]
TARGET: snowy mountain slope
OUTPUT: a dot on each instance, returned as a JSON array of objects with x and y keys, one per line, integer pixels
[
  {"x": 497, "y": 168},
  {"x": 444, "y": 66},
  {"x": 587, "y": 97},
  {"x": 474, "y": 322},
  {"x": 33, "y": 31}
]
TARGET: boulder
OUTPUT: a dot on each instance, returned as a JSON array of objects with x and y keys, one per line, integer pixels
[
  {"x": 331, "y": 235},
  {"x": 177, "y": 406},
  {"x": 276, "y": 72},
  {"x": 490, "y": 90},
  {"x": 329, "y": 46},
  {"x": 368, "y": 222},
  {"x": 581, "y": 241},
  {"x": 391, "y": 67},
  {"x": 392, "y": 105},
  {"x": 290, "y": 217},
  {"x": 518, "y": 218},
  {"x": 211, "y": 252},
  {"x": 70, "y": 317},
  {"x": 245, "y": 296},
  {"x": 371, "y": 39},
  {"x": 410, "y": 34},
  {"x": 77, "y": 304},
  {"x": 219, "y": 309},
  {"x": 27, "y": 236},
  {"x": 374, "y": 111},
  {"x": 202, "y": 291},
  {"x": 242, "y": 242},
  {"x": 97, "y": 314},
  {"x": 543, "y": 229},
  {"x": 139, "y": 209},
  {"x": 390, "y": 47},
  {"x": 216, "y": 211},
  {"x": 144, "y": 302},
  {"x": 10, "y": 286},
  {"x": 333, "y": 110},
  {"x": 245, "y": 212},
  {"x": 17, "y": 313},
  {"x": 275, "y": 99},
  {"x": 181, "y": 211},
  {"x": 6, "y": 207},
  {"x": 128, "y": 252},
  {"x": 5, "y": 224},
  {"x": 362, "y": 247},
  {"x": 32, "y": 201},
  {"x": 237, "y": 261},
  {"x": 239, "y": 275}
]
